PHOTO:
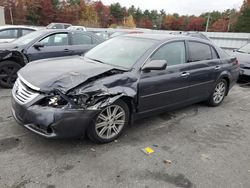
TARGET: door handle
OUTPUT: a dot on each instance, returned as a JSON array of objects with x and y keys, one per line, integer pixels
[
  {"x": 185, "y": 74},
  {"x": 217, "y": 67},
  {"x": 66, "y": 50}
]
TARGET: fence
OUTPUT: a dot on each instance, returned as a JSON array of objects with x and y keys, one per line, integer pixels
[{"x": 225, "y": 40}]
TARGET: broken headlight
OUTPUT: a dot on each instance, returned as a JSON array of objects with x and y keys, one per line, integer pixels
[
  {"x": 81, "y": 100},
  {"x": 53, "y": 101}
]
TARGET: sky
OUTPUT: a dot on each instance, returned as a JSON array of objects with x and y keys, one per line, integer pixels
[{"x": 182, "y": 7}]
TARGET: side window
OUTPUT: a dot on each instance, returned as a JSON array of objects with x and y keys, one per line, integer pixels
[
  {"x": 8, "y": 34},
  {"x": 66, "y": 26},
  {"x": 81, "y": 39},
  {"x": 174, "y": 53},
  {"x": 199, "y": 51},
  {"x": 59, "y": 39},
  {"x": 26, "y": 31},
  {"x": 214, "y": 53}
]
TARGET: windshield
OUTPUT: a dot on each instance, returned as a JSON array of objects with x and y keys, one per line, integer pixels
[
  {"x": 121, "y": 51},
  {"x": 26, "y": 39},
  {"x": 245, "y": 49}
]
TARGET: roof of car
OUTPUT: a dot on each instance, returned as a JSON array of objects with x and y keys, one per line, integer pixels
[
  {"x": 160, "y": 37},
  {"x": 17, "y": 26}
]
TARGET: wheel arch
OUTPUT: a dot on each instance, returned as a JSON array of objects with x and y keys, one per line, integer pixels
[
  {"x": 226, "y": 77},
  {"x": 131, "y": 106},
  {"x": 16, "y": 57}
]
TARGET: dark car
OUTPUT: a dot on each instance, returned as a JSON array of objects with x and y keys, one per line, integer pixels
[
  {"x": 243, "y": 55},
  {"x": 120, "y": 80},
  {"x": 42, "y": 44}
]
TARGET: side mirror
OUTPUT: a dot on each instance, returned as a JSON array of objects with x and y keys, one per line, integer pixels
[
  {"x": 155, "y": 65},
  {"x": 38, "y": 45}
]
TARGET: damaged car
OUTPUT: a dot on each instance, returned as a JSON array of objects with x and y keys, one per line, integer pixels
[
  {"x": 42, "y": 44},
  {"x": 121, "y": 80},
  {"x": 243, "y": 55}
]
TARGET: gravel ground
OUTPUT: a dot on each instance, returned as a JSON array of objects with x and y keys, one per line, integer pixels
[{"x": 207, "y": 147}]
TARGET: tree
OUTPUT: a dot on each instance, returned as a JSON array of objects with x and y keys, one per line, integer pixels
[
  {"x": 88, "y": 16},
  {"x": 33, "y": 12},
  {"x": 129, "y": 22},
  {"x": 47, "y": 12},
  {"x": 19, "y": 12},
  {"x": 196, "y": 24},
  {"x": 220, "y": 25},
  {"x": 242, "y": 25},
  {"x": 103, "y": 13},
  {"x": 214, "y": 16},
  {"x": 116, "y": 12},
  {"x": 170, "y": 22},
  {"x": 132, "y": 11}
]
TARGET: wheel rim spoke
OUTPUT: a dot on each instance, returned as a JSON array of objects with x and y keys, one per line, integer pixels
[
  {"x": 119, "y": 122},
  {"x": 101, "y": 124},
  {"x": 103, "y": 130},
  {"x": 115, "y": 129},
  {"x": 119, "y": 115}
]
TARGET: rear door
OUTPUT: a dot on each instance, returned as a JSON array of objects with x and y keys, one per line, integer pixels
[
  {"x": 205, "y": 68},
  {"x": 81, "y": 42},
  {"x": 165, "y": 88},
  {"x": 55, "y": 45}
]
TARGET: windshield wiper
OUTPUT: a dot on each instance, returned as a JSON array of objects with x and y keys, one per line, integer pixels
[
  {"x": 97, "y": 60},
  {"x": 240, "y": 51}
]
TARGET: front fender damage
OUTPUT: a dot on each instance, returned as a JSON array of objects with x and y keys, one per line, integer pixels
[
  {"x": 102, "y": 93},
  {"x": 15, "y": 55}
]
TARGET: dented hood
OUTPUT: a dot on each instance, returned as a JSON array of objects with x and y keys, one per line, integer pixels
[{"x": 61, "y": 73}]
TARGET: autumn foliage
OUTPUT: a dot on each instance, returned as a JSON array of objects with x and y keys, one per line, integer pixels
[{"x": 95, "y": 14}]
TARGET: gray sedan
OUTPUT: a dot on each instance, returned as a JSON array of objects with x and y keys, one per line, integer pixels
[{"x": 243, "y": 56}]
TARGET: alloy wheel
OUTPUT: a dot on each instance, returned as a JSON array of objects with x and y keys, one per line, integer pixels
[
  {"x": 219, "y": 92},
  {"x": 110, "y": 122}
]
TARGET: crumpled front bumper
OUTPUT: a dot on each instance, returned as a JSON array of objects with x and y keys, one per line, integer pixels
[
  {"x": 244, "y": 70},
  {"x": 53, "y": 122}
]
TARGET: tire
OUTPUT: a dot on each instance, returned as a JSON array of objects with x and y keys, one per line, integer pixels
[
  {"x": 8, "y": 73},
  {"x": 105, "y": 129},
  {"x": 218, "y": 94}
]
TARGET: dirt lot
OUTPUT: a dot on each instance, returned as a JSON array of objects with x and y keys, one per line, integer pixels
[{"x": 207, "y": 147}]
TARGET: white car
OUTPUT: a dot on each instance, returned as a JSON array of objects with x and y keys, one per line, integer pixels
[
  {"x": 81, "y": 28},
  {"x": 12, "y": 32}
]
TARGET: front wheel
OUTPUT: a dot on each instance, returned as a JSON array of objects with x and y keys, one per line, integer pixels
[
  {"x": 8, "y": 73},
  {"x": 219, "y": 93},
  {"x": 109, "y": 123}
]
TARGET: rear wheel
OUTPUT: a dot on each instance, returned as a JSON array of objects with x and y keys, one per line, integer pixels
[
  {"x": 219, "y": 93},
  {"x": 8, "y": 73},
  {"x": 109, "y": 123}
]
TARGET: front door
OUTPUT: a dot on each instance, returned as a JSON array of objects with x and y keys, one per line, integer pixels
[
  {"x": 55, "y": 45},
  {"x": 165, "y": 88}
]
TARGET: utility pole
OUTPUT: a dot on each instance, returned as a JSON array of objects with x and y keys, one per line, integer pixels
[
  {"x": 208, "y": 19},
  {"x": 11, "y": 15},
  {"x": 229, "y": 24}
]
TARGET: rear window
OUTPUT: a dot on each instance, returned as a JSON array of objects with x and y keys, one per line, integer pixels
[{"x": 199, "y": 51}]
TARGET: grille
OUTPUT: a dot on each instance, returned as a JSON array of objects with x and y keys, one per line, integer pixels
[{"x": 22, "y": 93}]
